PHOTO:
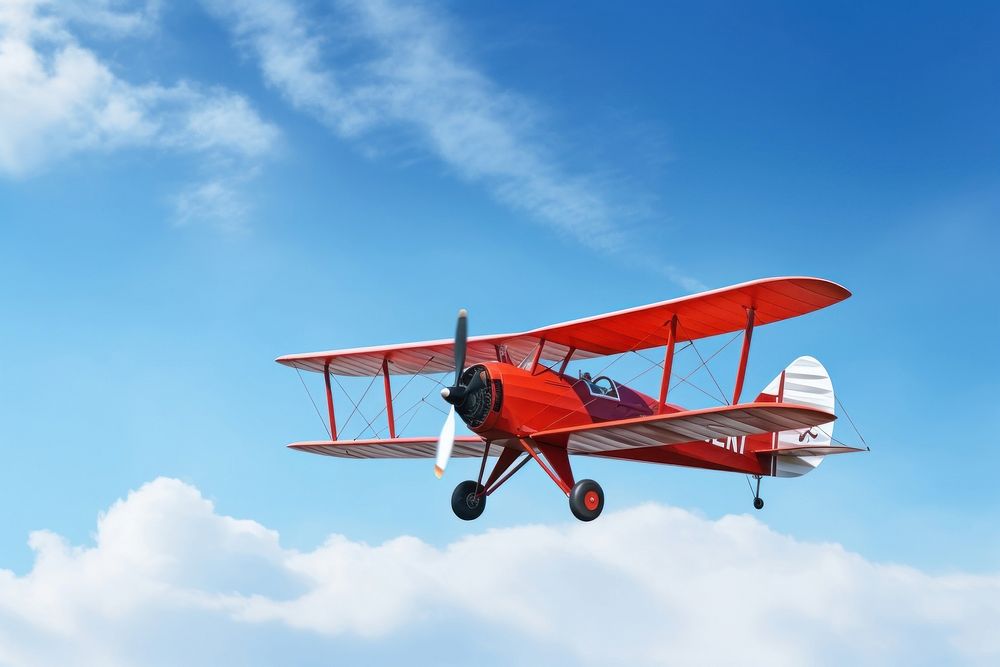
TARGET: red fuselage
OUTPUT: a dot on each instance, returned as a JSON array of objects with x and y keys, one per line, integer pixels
[{"x": 522, "y": 402}]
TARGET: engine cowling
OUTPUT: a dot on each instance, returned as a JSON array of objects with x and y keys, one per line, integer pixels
[{"x": 475, "y": 409}]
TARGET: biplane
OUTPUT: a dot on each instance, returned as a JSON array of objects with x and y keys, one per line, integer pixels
[{"x": 514, "y": 394}]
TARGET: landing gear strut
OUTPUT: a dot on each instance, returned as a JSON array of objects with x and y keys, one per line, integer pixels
[
  {"x": 468, "y": 500},
  {"x": 758, "y": 502},
  {"x": 586, "y": 500}
]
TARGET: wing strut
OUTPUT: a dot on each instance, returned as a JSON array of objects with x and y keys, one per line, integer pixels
[
  {"x": 538, "y": 356},
  {"x": 744, "y": 355},
  {"x": 668, "y": 362},
  {"x": 329, "y": 401},
  {"x": 388, "y": 398},
  {"x": 565, "y": 361}
]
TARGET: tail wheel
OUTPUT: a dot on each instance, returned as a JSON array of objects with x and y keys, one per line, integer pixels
[
  {"x": 586, "y": 500},
  {"x": 468, "y": 500}
]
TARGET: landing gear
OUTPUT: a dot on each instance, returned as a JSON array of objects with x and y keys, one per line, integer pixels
[
  {"x": 468, "y": 500},
  {"x": 586, "y": 500},
  {"x": 758, "y": 502}
]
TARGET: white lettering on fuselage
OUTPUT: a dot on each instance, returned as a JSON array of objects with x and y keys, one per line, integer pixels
[{"x": 732, "y": 443}]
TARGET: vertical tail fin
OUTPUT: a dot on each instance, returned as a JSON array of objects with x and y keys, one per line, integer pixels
[{"x": 805, "y": 382}]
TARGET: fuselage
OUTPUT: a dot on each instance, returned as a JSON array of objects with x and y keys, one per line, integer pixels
[
  {"x": 516, "y": 402},
  {"x": 526, "y": 402}
]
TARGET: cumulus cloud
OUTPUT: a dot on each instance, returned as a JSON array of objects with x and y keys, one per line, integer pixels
[
  {"x": 386, "y": 72},
  {"x": 168, "y": 580},
  {"x": 58, "y": 98}
]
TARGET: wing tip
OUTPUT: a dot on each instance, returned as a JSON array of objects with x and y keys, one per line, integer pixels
[
  {"x": 309, "y": 444},
  {"x": 841, "y": 291}
]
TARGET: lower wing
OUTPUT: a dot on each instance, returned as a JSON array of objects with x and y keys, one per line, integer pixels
[
  {"x": 395, "y": 448},
  {"x": 679, "y": 427}
]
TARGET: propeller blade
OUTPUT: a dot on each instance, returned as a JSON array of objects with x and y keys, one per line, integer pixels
[
  {"x": 445, "y": 442},
  {"x": 461, "y": 333}
]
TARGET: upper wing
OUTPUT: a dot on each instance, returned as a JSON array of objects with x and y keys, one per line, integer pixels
[
  {"x": 699, "y": 316},
  {"x": 433, "y": 356},
  {"x": 395, "y": 448},
  {"x": 690, "y": 425}
]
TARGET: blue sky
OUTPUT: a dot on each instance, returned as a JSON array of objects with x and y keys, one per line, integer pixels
[{"x": 188, "y": 190}]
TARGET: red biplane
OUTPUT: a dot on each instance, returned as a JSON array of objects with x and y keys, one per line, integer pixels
[{"x": 520, "y": 407}]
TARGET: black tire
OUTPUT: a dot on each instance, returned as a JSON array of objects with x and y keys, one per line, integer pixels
[
  {"x": 758, "y": 503},
  {"x": 586, "y": 500},
  {"x": 465, "y": 502}
]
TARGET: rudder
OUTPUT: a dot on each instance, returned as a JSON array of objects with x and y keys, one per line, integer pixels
[{"x": 805, "y": 382}]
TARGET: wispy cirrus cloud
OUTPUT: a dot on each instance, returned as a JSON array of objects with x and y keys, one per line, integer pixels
[
  {"x": 216, "y": 200},
  {"x": 58, "y": 98},
  {"x": 378, "y": 73},
  {"x": 170, "y": 581},
  {"x": 113, "y": 17},
  {"x": 378, "y": 70}
]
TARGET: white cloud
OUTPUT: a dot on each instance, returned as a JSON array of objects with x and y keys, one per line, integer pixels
[
  {"x": 389, "y": 66},
  {"x": 219, "y": 200},
  {"x": 170, "y": 581},
  {"x": 114, "y": 17},
  {"x": 218, "y": 121},
  {"x": 57, "y": 98}
]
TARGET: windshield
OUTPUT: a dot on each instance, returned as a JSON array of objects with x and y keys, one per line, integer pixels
[{"x": 602, "y": 386}]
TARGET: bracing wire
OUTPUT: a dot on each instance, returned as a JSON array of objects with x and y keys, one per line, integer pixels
[
  {"x": 709, "y": 370},
  {"x": 357, "y": 406},
  {"x": 704, "y": 363},
  {"x": 397, "y": 395},
  {"x": 422, "y": 402},
  {"x": 848, "y": 415},
  {"x": 674, "y": 376},
  {"x": 315, "y": 407}
]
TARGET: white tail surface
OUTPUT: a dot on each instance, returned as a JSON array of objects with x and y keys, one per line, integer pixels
[{"x": 804, "y": 382}]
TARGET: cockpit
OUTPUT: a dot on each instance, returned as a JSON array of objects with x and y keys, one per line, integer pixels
[{"x": 601, "y": 386}]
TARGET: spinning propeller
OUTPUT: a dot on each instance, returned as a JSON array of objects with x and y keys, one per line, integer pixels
[{"x": 456, "y": 394}]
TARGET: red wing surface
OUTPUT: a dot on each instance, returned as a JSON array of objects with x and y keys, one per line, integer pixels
[{"x": 699, "y": 316}]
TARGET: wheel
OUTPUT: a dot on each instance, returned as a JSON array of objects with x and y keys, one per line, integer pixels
[
  {"x": 586, "y": 500},
  {"x": 465, "y": 502},
  {"x": 758, "y": 503}
]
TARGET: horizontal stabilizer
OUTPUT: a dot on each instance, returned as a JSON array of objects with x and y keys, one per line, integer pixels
[
  {"x": 687, "y": 426},
  {"x": 466, "y": 446},
  {"x": 813, "y": 450}
]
